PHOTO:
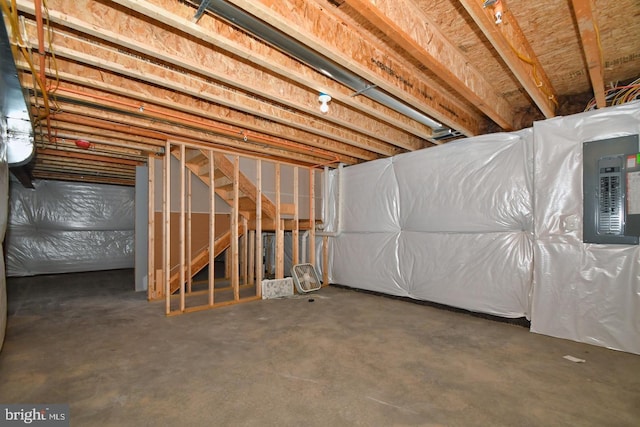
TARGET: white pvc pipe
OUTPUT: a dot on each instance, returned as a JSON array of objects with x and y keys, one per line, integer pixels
[
  {"x": 305, "y": 236},
  {"x": 325, "y": 200}
]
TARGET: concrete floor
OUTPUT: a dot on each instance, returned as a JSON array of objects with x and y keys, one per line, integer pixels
[{"x": 348, "y": 358}]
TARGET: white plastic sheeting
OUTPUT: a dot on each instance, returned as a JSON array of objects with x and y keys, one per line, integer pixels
[
  {"x": 583, "y": 292},
  {"x": 4, "y": 205},
  {"x": 63, "y": 227},
  {"x": 452, "y": 224}
]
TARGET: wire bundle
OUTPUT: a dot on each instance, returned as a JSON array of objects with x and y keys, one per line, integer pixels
[{"x": 618, "y": 95}]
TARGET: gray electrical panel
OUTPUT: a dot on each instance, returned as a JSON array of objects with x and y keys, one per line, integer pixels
[{"x": 611, "y": 181}]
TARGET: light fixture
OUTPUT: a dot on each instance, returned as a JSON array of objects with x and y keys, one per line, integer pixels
[
  {"x": 323, "y": 99},
  {"x": 496, "y": 5}
]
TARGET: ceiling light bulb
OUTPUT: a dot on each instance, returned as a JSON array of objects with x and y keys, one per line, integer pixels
[{"x": 324, "y": 99}]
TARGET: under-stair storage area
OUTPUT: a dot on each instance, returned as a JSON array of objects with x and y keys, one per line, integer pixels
[{"x": 241, "y": 207}]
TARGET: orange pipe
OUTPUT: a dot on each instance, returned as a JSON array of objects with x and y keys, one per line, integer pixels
[{"x": 221, "y": 129}]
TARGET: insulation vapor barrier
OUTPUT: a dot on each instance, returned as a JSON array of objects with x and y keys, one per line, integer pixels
[
  {"x": 493, "y": 224},
  {"x": 62, "y": 227},
  {"x": 582, "y": 291},
  {"x": 442, "y": 225}
]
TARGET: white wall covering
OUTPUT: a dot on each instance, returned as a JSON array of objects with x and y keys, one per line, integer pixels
[
  {"x": 583, "y": 292},
  {"x": 4, "y": 208},
  {"x": 65, "y": 227},
  {"x": 451, "y": 224}
]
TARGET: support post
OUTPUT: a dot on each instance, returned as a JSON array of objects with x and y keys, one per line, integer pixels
[
  {"x": 295, "y": 259},
  {"x": 181, "y": 238},
  {"x": 212, "y": 226},
  {"x": 152, "y": 291},
  {"x": 166, "y": 218},
  {"x": 312, "y": 217},
  {"x": 188, "y": 240},
  {"x": 279, "y": 230},
  {"x": 259, "y": 248},
  {"x": 234, "y": 229}
]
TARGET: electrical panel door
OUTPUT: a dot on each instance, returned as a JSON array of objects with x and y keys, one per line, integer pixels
[{"x": 606, "y": 169}]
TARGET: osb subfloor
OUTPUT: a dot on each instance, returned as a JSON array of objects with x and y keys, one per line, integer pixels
[{"x": 347, "y": 358}]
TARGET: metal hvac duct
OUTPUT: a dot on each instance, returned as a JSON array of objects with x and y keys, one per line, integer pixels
[{"x": 239, "y": 18}]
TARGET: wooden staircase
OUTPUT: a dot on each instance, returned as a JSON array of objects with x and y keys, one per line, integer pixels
[
  {"x": 198, "y": 163},
  {"x": 201, "y": 259}
]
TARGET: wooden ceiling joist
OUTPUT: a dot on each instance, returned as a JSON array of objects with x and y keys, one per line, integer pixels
[
  {"x": 43, "y": 143},
  {"x": 157, "y": 115},
  {"x": 137, "y": 94},
  {"x": 198, "y": 138},
  {"x": 590, "y": 38},
  {"x": 92, "y": 157},
  {"x": 136, "y": 68},
  {"x": 346, "y": 48},
  {"x": 89, "y": 165},
  {"x": 404, "y": 23},
  {"x": 104, "y": 133},
  {"x": 79, "y": 177},
  {"x": 219, "y": 34},
  {"x": 513, "y": 47},
  {"x": 152, "y": 42}
]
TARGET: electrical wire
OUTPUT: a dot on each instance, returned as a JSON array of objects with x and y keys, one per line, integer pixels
[
  {"x": 534, "y": 73},
  {"x": 618, "y": 95}
]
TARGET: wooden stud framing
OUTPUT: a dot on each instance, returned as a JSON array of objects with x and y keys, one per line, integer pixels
[
  {"x": 152, "y": 292},
  {"x": 166, "y": 218},
  {"x": 252, "y": 255},
  {"x": 212, "y": 226},
  {"x": 234, "y": 229},
  {"x": 181, "y": 262},
  {"x": 259, "y": 246},
  {"x": 188, "y": 234},
  {"x": 227, "y": 264},
  {"x": 312, "y": 217},
  {"x": 583, "y": 10},
  {"x": 244, "y": 260},
  {"x": 296, "y": 218},
  {"x": 514, "y": 48},
  {"x": 279, "y": 227}
]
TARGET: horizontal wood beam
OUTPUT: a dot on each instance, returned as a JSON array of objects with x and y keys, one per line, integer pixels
[
  {"x": 590, "y": 38},
  {"x": 216, "y": 32},
  {"x": 229, "y": 122},
  {"x": 87, "y": 165},
  {"x": 81, "y": 156},
  {"x": 197, "y": 138},
  {"x": 116, "y": 61},
  {"x": 102, "y": 150},
  {"x": 133, "y": 33},
  {"x": 513, "y": 47},
  {"x": 301, "y": 19},
  {"x": 405, "y": 23},
  {"x": 66, "y": 176}
]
